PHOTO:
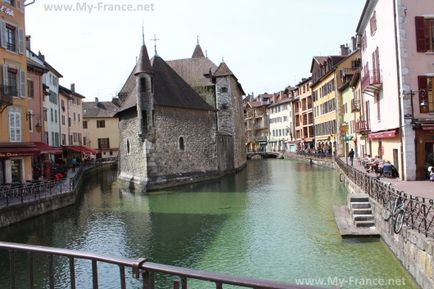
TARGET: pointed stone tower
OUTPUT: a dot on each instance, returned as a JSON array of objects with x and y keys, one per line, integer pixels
[
  {"x": 230, "y": 116},
  {"x": 145, "y": 90}
]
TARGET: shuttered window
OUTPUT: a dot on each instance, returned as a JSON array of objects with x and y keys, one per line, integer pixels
[
  {"x": 426, "y": 94},
  {"x": 14, "y": 126},
  {"x": 424, "y": 34}
]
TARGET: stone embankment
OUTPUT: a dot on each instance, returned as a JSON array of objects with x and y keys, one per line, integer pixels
[{"x": 61, "y": 195}]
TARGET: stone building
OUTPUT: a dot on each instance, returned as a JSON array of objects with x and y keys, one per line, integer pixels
[
  {"x": 220, "y": 88},
  {"x": 168, "y": 133}
]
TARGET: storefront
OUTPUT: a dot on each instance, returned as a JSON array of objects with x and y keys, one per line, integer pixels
[
  {"x": 16, "y": 162},
  {"x": 424, "y": 150},
  {"x": 387, "y": 146}
]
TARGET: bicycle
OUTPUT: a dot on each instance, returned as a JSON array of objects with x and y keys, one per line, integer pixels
[{"x": 394, "y": 209}]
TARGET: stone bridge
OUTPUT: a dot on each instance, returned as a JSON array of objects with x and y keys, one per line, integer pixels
[{"x": 265, "y": 155}]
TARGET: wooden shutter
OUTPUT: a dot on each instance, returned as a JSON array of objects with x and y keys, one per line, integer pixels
[
  {"x": 21, "y": 42},
  {"x": 5, "y": 80},
  {"x": 420, "y": 33},
  {"x": 3, "y": 34},
  {"x": 22, "y": 85},
  {"x": 11, "y": 126},
  {"x": 423, "y": 93}
]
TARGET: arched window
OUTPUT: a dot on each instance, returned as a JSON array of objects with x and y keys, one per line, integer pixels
[
  {"x": 181, "y": 145},
  {"x": 128, "y": 146}
]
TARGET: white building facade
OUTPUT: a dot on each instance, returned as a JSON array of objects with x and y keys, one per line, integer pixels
[{"x": 281, "y": 126}]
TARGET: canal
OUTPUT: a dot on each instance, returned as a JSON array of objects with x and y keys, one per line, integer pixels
[{"x": 273, "y": 220}]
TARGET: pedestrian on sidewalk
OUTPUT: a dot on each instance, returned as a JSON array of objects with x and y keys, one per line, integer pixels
[{"x": 351, "y": 155}]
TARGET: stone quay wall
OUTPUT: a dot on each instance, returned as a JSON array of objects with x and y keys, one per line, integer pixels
[
  {"x": 413, "y": 249},
  {"x": 21, "y": 212}
]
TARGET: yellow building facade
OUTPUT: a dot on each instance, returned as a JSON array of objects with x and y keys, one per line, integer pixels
[
  {"x": 101, "y": 128},
  {"x": 15, "y": 150}
]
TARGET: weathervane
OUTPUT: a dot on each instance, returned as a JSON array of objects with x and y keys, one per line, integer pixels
[{"x": 155, "y": 39}]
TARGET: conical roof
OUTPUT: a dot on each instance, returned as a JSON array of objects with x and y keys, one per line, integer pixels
[
  {"x": 143, "y": 63},
  {"x": 223, "y": 70},
  {"x": 198, "y": 53}
]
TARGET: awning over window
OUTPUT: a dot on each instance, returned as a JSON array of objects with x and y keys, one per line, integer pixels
[
  {"x": 10, "y": 150},
  {"x": 46, "y": 149},
  {"x": 81, "y": 149},
  {"x": 383, "y": 134}
]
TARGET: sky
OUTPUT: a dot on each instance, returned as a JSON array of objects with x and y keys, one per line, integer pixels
[{"x": 268, "y": 45}]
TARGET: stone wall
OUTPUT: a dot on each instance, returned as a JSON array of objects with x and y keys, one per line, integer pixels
[
  {"x": 225, "y": 152},
  {"x": 198, "y": 157},
  {"x": 231, "y": 117},
  {"x": 414, "y": 250},
  {"x": 21, "y": 212},
  {"x": 133, "y": 161}
]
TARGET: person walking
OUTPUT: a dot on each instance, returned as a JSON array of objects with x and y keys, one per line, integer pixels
[{"x": 351, "y": 155}]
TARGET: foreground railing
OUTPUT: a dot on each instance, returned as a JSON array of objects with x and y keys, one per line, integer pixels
[
  {"x": 418, "y": 212},
  {"x": 142, "y": 270}
]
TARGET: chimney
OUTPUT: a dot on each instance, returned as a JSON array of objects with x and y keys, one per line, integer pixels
[
  {"x": 354, "y": 43},
  {"x": 344, "y": 50},
  {"x": 96, "y": 100},
  {"x": 41, "y": 56},
  {"x": 28, "y": 46},
  {"x": 116, "y": 101},
  {"x": 73, "y": 87}
]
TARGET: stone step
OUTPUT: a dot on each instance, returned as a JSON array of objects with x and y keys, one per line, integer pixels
[
  {"x": 363, "y": 217},
  {"x": 364, "y": 224},
  {"x": 360, "y": 205},
  {"x": 362, "y": 212},
  {"x": 359, "y": 199}
]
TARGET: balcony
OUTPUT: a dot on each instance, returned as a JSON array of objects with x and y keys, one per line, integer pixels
[
  {"x": 361, "y": 126},
  {"x": 355, "y": 105},
  {"x": 372, "y": 81},
  {"x": 7, "y": 93}
]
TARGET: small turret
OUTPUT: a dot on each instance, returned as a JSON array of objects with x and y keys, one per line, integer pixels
[{"x": 197, "y": 53}]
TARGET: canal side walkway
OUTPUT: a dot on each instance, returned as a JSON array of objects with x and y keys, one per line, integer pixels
[
  {"x": 421, "y": 189},
  {"x": 36, "y": 191}
]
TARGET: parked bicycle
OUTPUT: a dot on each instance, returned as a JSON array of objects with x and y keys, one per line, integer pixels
[{"x": 394, "y": 209}]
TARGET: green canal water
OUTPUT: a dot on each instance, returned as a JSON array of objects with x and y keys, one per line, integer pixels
[{"x": 273, "y": 221}]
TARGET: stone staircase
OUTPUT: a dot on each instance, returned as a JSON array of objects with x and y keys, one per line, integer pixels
[{"x": 361, "y": 211}]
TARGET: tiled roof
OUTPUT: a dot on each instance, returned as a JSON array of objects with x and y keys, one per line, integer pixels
[
  {"x": 170, "y": 89},
  {"x": 99, "y": 109},
  {"x": 195, "y": 71},
  {"x": 69, "y": 92},
  {"x": 223, "y": 70},
  {"x": 197, "y": 53}
]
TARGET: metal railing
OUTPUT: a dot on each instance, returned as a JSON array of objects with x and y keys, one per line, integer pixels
[
  {"x": 141, "y": 270},
  {"x": 418, "y": 212},
  {"x": 29, "y": 192}
]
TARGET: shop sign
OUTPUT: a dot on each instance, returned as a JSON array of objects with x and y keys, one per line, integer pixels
[
  {"x": 7, "y": 10},
  {"x": 8, "y": 155}
]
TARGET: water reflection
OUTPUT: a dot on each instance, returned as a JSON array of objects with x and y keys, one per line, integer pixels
[{"x": 273, "y": 220}]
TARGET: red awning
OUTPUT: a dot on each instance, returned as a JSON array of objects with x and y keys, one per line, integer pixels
[
  {"x": 10, "y": 150},
  {"x": 46, "y": 149},
  {"x": 81, "y": 149},
  {"x": 383, "y": 134}
]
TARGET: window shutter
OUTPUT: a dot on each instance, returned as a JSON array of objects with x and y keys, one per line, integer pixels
[
  {"x": 423, "y": 96},
  {"x": 5, "y": 80},
  {"x": 420, "y": 33},
  {"x": 22, "y": 83},
  {"x": 3, "y": 34},
  {"x": 21, "y": 42},
  {"x": 18, "y": 126},
  {"x": 11, "y": 126}
]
